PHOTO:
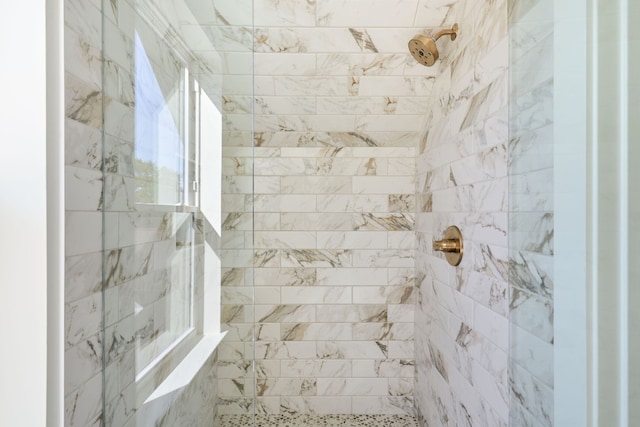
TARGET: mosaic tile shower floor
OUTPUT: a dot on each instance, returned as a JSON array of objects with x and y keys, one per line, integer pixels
[{"x": 286, "y": 420}]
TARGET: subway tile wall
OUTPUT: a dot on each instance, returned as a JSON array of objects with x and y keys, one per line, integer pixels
[
  {"x": 339, "y": 104},
  {"x": 138, "y": 241},
  {"x": 83, "y": 218},
  {"x": 462, "y": 326},
  {"x": 531, "y": 222}
]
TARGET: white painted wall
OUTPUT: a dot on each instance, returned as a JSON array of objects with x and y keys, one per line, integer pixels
[{"x": 23, "y": 214}]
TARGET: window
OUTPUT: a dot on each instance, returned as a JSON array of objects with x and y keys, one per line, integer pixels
[
  {"x": 165, "y": 168},
  {"x": 177, "y": 146}
]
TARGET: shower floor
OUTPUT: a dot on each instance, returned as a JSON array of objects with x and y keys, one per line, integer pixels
[{"x": 286, "y": 420}]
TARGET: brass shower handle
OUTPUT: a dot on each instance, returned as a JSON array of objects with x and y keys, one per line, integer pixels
[
  {"x": 451, "y": 245},
  {"x": 447, "y": 245}
]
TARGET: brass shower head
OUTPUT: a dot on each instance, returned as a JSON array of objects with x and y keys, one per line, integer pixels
[{"x": 424, "y": 49}]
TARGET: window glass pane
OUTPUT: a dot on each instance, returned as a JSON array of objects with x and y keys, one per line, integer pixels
[
  {"x": 159, "y": 136},
  {"x": 163, "y": 296}
]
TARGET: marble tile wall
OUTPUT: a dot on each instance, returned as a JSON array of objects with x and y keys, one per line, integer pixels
[
  {"x": 462, "y": 326},
  {"x": 531, "y": 222},
  {"x": 338, "y": 108},
  {"x": 137, "y": 240},
  {"x": 83, "y": 219}
]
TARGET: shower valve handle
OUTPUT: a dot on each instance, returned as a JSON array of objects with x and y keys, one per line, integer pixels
[
  {"x": 451, "y": 245},
  {"x": 447, "y": 245}
]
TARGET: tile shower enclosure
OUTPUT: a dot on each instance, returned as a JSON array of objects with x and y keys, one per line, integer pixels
[{"x": 354, "y": 158}]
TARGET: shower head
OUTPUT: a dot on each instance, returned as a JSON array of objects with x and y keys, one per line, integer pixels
[{"x": 424, "y": 49}]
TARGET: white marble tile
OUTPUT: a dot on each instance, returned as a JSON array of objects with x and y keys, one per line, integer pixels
[
  {"x": 316, "y": 368},
  {"x": 316, "y": 221},
  {"x": 402, "y": 166},
  {"x": 316, "y": 405},
  {"x": 401, "y": 349},
  {"x": 285, "y": 203},
  {"x": 316, "y": 185},
  {"x": 240, "y": 122},
  {"x": 285, "y": 313},
  {"x": 529, "y": 72},
  {"x": 351, "y": 240},
  {"x": 231, "y": 388},
  {"x": 351, "y": 276},
  {"x": 381, "y": 123},
  {"x": 493, "y": 391},
  {"x": 400, "y": 387},
  {"x": 532, "y": 313},
  {"x": 532, "y": 232},
  {"x": 530, "y": 351},
  {"x": 238, "y": 85},
  {"x": 305, "y": 39},
  {"x": 432, "y": 14},
  {"x": 394, "y": 368},
  {"x": 286, "y": 350},
  {"x": 284, "y": 239},
  {"x": 294, "y": 64},
  {"x": 83, "y": 145},
  {"x": 536, "y": 397},
  {"x": 407, "y": 152},
  {"x": 286, "y": 386},
  {"x": 313, "y": 86},
  {"x": 454, "y": 302},
  {"x": 83, "y": 406},
  {"x": 316, "y": 295},
  {"x": 83, "y": 319},
  {"x": 343, "y": 13},
  {"x": 316, "y": 331},
  {"x": 119, "y": 193},
  {"x": 82, "y": 362},
  {"x": 286, "y": 13},
  {"x": 267, "y": 295},
  {"x": 401, "y": 313},
  {"x": 306, "y": 123},
  {"x": 383, "y": 331},
  {"x": 83, "y": 233},
  {"x": 84, "y": 18},
  {"x": 238, "y": 13},
  {"x": 83, "y": 189},
  {"x": 383, "y": 295},
  {"x": 237, "y": 295},
  {"x": 382, "y": 405},
  {"x": 83, "y": 276},
  {"x": 285, "y": 105},
  {"x": 405, "y": 240},
  {"x": 262, "y": 86},
  {"x": 383, "y": 258},
  {"x": 352, "y": 203},
  {"x": 266, "y": 185},
  {"x": 488, "y": 291},
  {"x": 352, "y": 386},
  {"x": 383, "y": 185},
  {"x": 360, "y": 64},
  {"x": 395, "y": 86},
  {"x": 316, "y": 258},
  {"x": 285, "y": 276},
  {"x": 351, "y": 313}
]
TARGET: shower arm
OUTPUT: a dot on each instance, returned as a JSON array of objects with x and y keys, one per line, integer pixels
[{"x": 453, "y": 32}]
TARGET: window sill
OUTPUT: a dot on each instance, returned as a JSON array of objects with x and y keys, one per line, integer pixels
[{"x": 187, "y": 369}]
